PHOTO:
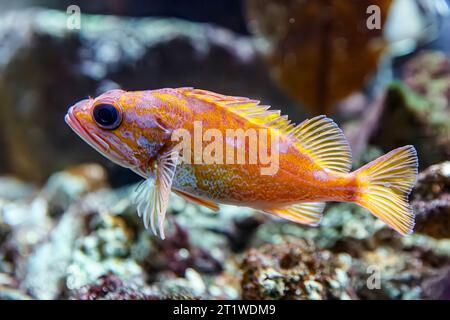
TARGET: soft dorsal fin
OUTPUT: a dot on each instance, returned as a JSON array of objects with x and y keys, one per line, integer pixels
[
  {"x": 322, "y": 139},
  {"x": 318, "y": 137}
]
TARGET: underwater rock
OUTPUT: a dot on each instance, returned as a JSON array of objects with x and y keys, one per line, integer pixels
[
  {"x": 438, "y": 287},
  {"x": 105, "y": 248},
  {"x": 417, "y": 110},
  {"x": 295, "y": 270},
  {"x": 112, "y": 287},
  {"x": 227, "y": 13},
  {"x": 190, "y": 286},
  {"x": 12, "y": 188},
  {"x": 431, "y": 201},
  {"x": 29, "y": 224},
  {"x": 5, "y": 231},
  {"x": 397, "y": 273},
  {"x": 47, "y": 264},
  {"x": 217, "y": 232},
  {"x": 176, "y": 254},
  {"x": 413, "y": 110},
  {"x": 64, "y": 187},
  {"x": 45, "y": 68},
  {"x": 9, "y": 289},
  {"x": 344, "y": 225}
]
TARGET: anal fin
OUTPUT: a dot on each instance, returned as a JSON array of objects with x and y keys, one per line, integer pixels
[
  {"x": 309, "y": 213},
  {"x": 207, "y": 203}
]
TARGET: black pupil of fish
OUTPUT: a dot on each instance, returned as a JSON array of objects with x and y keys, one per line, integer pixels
[{"x": 106, "y": 115}]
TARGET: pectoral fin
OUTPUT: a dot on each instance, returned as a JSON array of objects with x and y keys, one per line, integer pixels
[
  {"x": 207, "y": 203},
  {"x": 152, "y": 196},
  {"x": 309, "y": 213}
]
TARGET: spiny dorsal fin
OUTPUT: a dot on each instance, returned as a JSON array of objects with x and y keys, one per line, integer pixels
[
  {"x": 319, "y": 137},
  {"x": 245, "y": 107}
]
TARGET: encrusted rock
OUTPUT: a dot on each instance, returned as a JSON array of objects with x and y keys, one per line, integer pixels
[
  {"x": 398, "y": 273},
  {"x": 112, "y": 287},
  {"x": 431, "y": 201},
  {"x": 106, "y": 248},
  {"x": 295, "y": 270},
  {"x": 176, "y": 254}
]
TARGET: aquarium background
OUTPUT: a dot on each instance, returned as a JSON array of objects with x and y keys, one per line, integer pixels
[{"x": 68, "y": 229}]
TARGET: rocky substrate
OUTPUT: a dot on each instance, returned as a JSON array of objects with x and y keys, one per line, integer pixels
[{"x": 78, "y": 238}]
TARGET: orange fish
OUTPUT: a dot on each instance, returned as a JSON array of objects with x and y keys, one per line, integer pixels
[{"x": 313, "y": 159}]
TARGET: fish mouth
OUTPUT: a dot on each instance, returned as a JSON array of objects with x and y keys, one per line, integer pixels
[{"x": 93, "y": 139}]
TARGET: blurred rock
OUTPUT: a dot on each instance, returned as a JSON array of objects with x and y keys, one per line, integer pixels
[
  {"x": 9, "y": 289},
  {"x": 431, "y": 201},
  {"x": 26, "y": 223},
  {"x": 417, "y": 112},
  {"x": 5, "y": 231},
  {"x": 395, "y": 273},
  {"x": 309, "y": 45},
  {"x": 227, "y": 13},
  {"x": 295, "y": 270},
  {"x": 414, "y": 110},
  {"x": 438, "y": 287},
  {"x": 343, "y": 223},
  {"x": 111, "y": 287},
  {"x": 47, "y": 265},
  {"x": 105, "y": 248},
  {"x": 12, "y": 188},
  {"x": 63, "y": 188},
  {"x": 97, "y": 248},
  {"x": 217, "y": 232},
  {"x": 176, "y": 254},
  {"x": 45, "y": 68}
]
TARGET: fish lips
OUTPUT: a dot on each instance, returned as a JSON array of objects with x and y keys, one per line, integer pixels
[{"x": 90, "y": 137}]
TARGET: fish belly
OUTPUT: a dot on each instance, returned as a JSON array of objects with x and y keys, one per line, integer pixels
[{"x": 244, "y": 185}]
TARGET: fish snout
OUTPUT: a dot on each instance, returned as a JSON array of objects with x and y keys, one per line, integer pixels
[{"x": 80, "y": 106}]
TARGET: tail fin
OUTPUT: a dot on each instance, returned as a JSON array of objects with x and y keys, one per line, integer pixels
[{"x": 385, "y": 184}]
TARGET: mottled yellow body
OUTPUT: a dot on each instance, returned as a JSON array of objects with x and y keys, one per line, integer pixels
[{"x": 313, "y": 158}]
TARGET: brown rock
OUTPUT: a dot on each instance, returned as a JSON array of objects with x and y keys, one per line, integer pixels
[
  {"x": 295, "y": 270},
  {"x": 431, "y": 201},
  {"x": 312, "y": 44}
]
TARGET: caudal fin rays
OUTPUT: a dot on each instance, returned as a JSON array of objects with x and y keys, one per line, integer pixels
[{"x": 385, "y": 184}]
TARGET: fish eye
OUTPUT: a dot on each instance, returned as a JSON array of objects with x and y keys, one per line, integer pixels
[{"x": 107, "y": 115}]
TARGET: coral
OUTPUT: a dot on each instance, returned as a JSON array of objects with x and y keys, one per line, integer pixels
[{"x": 295, "y": 270}]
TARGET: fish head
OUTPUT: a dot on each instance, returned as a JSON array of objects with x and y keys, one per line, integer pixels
[{"x": 123, "y": 126}]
